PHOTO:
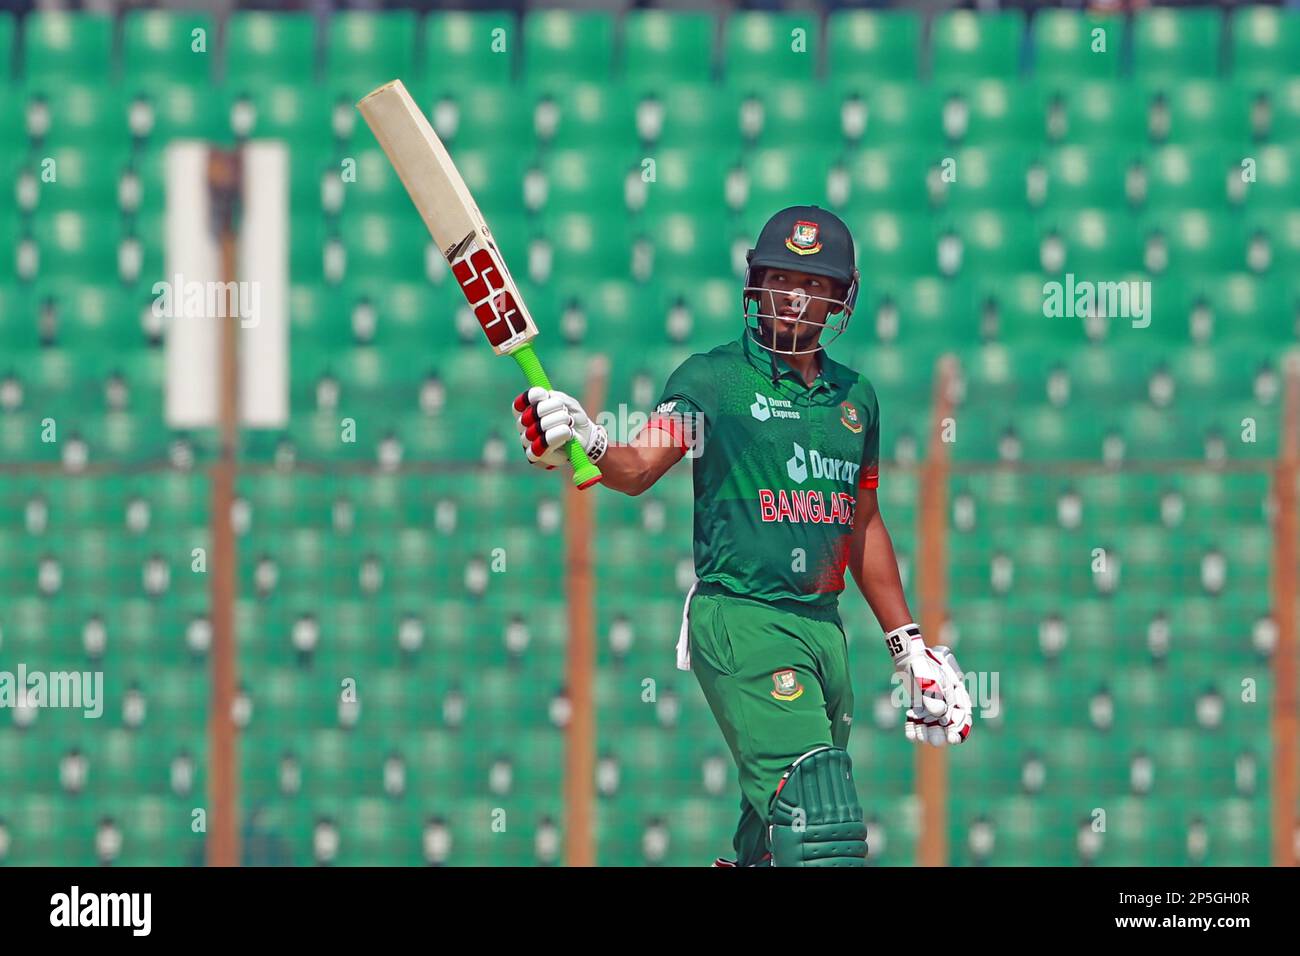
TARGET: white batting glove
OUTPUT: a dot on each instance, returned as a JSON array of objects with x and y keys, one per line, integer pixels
[
  {"x": 941, "y": 711},
  {"x": 547, "y": 420}
]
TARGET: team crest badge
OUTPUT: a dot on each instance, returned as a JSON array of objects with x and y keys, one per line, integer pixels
[
  {"x": 787, "y": 686},
  {"x": 803, "y": 238},
  {"x": 849, "y": 418}
]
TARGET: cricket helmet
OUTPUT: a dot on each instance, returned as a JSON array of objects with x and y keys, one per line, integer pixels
[{"x": 803, "y": 239}]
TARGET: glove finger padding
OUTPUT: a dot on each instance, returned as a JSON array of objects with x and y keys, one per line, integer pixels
[{"x": 531, "y": 438}]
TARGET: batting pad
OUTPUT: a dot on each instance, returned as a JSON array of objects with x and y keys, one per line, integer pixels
[{"x": 816, "y": 818}]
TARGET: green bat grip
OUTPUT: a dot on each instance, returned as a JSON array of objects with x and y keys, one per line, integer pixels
[{"x": 585, "y": 474}]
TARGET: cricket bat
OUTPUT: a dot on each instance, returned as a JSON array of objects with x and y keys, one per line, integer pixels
[{"x": 453, "y": 219}]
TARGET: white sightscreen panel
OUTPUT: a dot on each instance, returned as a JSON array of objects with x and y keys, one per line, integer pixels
[
  {"x": 264, "y": 276},
  {"x": 192, "y": 257}
]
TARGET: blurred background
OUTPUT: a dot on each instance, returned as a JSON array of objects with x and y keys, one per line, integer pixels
[{"x": 320, "y": 582}]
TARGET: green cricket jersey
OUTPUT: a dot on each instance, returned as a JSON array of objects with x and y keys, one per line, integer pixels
[{"x": 777, "y": 469}]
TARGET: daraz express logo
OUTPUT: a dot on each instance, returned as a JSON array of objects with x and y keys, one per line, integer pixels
[
  {"x": 798, "y": 465},
  {"x": 765, "y": 407}
]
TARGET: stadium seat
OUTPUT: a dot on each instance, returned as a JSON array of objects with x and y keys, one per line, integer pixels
[
  {"x": 366, "y": 49},
  {"x": 874, "y": 46},
  {"x": 1177, "y": 43},
  {"x": 164, "y": 48},
  {"x": 270, "y": 47},
  {"x": 560, "y": 46},
  {"x": 660, "y": 47},
  {"x": 761, "y": 46},
  {"x": 966, "y": 44},
  {"x": 459, "y": 44},
  {"x": 1067, "y": 46},
  {"x": 7, "y": 57},
  {"x": 58, "y": 44},
  {"x": 1265, "y": 43}
]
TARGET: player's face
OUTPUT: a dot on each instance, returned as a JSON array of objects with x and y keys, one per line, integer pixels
[{"x": 793, "y": 306}]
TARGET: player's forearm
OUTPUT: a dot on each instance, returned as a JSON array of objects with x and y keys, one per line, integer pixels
[
  {"x": 875, "y": 568},
  {"x": 632, "y": 469}
]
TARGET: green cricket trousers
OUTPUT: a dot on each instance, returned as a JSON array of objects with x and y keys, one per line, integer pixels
[{"x": 776, "y": 676}]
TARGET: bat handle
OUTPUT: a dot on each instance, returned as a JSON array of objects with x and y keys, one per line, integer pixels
[{"x": 585, "y": 474}]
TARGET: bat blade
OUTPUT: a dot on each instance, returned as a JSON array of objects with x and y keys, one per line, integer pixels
[{"x": 449, "y": 212}]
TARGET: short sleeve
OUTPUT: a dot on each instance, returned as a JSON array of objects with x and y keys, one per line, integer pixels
[
  {"x": 869, "y": 475},
  {"x": 686, "y": 403}
]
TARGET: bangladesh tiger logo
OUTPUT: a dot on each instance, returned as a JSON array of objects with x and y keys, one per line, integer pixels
[
  {"x": 849, "y": 418},
  {"x": 787, "y": 686},
  {"x": 803, "y": 238}
]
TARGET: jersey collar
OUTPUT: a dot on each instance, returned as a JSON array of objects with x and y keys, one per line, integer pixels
[{"x": 766, "y": 362}]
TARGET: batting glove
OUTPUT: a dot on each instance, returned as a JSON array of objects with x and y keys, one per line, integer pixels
[
  {"x": 547, "y": 420},
  {"x": 940, "y": 710}
]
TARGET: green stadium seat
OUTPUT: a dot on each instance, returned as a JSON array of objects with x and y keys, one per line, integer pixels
[
  {"x": 760, "y": 47},
  {"x": 381, "y": 244},
  {"x": 585, "y": 179},
  {"x": 364, "y": 50},
  {"x": 1197, "y": 239},
  {"x": 79, "y": 178},
  {"x": 987, "y": 178},
  {"x": 1065, "y": 45},
  {"x": 73, "y": 243},
  {"x": 270, "y": 47},
  {"x": 788, "y": 113},
  {"x": 1265, "y": 43},
  {"x": 975, "y": 240},
  {"x": 78, "y": 115},
  {"x": 784, "y": 177},
  {"x": 57, "y": 45},
  {"x": 897, "y": 114},
  {"x": 1199, "y": 110},
  {"x": 1284, "y": 104},
  {"x": 1096, "y": 241},
  {"x": 684, "y": 181},
  {"x": 1276, "y": 175},
  {"x": 1189, "y": 177},
  {"x": 560, "y": 45},
  {"x": 966, "y": 44},
  {"x": 590, "y": 116},
  {"x": 495, "y": 177},
  {"x": 159, "y": 48},
  {"x": 908, "y": 311},
  {"x": 296, "y": 114},
  {"x": 459, "y": 44},
  {"x": 590, "y": 243},
  {"x": 889, "y": 177},
  {"x": 6, "y": 48},
  {"x": 895, "y": 243},
  {"x": 677, "y": 116},
  {"x": 660, "y": 47},
  {"x": 874, "y": 46},
  {"x": 1093, "y": 112},
  {"x": 1176, "y": 43},
  {"x": 685, "y": 244},
  {"x": 480, "y": 118},
  {"x": 156, "y": 115},
  {"x": 1282, "y": 229},
  {"x": 990, "y": 112},
  {"x": 1082, "y": 176}
]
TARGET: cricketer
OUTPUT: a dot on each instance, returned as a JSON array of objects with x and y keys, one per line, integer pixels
[{"x": 785, "y": 442}]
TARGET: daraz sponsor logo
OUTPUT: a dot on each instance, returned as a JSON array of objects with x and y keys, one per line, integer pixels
[{"x": 834, "y": 469}]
